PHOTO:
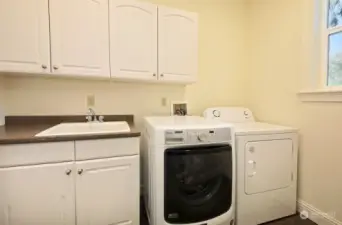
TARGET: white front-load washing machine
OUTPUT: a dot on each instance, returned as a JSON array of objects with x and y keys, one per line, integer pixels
[
  {"x": 188, "y": 171},
  {"x": 266, "y": 166}
]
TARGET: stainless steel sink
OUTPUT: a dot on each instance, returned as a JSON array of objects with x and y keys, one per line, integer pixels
[{"x": 68, "y": 129}]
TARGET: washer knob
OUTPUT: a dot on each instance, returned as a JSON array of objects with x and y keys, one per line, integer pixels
[{"x": 202, "y": 137}]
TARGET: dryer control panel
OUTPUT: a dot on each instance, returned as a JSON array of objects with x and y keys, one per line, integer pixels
[
  {"x": 229, "y": 114},
  {"x": 198, "y": 136}
]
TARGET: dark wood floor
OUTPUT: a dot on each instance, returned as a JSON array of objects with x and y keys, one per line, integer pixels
[{"x": 293, "y": 220}]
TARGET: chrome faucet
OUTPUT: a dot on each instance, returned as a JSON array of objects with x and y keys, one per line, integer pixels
[{"x": 91, "y": 116}]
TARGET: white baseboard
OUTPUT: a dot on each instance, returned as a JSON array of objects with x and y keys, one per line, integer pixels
[{"x": 316, "y": 215}]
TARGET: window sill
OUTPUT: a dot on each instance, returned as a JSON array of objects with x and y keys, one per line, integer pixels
[{"x": 321, "y": 95}]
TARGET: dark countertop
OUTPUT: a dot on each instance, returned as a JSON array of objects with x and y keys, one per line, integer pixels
[{"x": 19, "y": 130}]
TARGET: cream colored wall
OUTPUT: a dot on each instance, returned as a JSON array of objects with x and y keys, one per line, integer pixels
[
  {"x": 221, "y": 44},
  {"x": 2, "y": 93},
  {"x": 221, "y": 54},
  {"x": 43, "y": 96},
  {"x": 279, "y": 62}
]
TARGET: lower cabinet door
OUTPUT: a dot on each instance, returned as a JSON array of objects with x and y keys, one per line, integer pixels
[
  {"x": 107, "y": 191},
  {"x": 37, "y": 195}
]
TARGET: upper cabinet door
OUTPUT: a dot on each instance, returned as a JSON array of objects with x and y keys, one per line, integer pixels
[
  {"x": 177, "y": 45},
  {"x": 133, "y": 39},
  {"x": 24, "y": 40},
  {"x": 79, "y": 37}
]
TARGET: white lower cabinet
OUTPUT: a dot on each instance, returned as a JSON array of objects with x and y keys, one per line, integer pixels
[
  {"x": 37, "y": 195},
  {"x": 52, "y": 191},
  {"x": 107, "y": 191}
]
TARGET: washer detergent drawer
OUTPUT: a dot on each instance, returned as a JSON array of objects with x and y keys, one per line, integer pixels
[{"x": 268, "y": 165}]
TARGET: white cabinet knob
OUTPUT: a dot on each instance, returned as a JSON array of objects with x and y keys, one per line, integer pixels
[
  {"x": 68, "y": 172},
  {"x": 252, "y": 174},
  {"x": 252, "y": 149}
]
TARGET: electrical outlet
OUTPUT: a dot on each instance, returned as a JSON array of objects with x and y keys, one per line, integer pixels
[
  {"x": 164, "y": 101},
  {"x": 90, "y": 101}
]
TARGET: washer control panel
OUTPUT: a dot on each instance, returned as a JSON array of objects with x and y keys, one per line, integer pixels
[{"x": 198, "y": 136}]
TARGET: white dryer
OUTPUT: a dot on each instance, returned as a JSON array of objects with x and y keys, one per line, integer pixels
[
  {"x": 188, "y": 171},
  {"x": 266, "y": 166}
]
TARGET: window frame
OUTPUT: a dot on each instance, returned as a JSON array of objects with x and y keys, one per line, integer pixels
[
  {"x": 315, "y": 84},
  {"x": 326, "y": 31}
]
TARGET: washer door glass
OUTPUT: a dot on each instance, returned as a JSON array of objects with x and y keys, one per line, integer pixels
[{"x": 198, "y": 183}]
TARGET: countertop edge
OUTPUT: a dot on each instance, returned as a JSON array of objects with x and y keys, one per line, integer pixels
[
  {"x": 68, "y": 138},
  {"x": 22, "y": 131}
]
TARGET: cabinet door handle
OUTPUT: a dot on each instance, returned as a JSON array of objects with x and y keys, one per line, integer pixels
[
  {"x": 44, "y": 66},
  {"x": 80, "y": 171},
  {"x": 154, "y": 74},
  {"x": 162, "y": 75},
  {"x": 252, "y": 174},
  {"x": 55, "y": 67},
  {"x": 68, "y": 172}
]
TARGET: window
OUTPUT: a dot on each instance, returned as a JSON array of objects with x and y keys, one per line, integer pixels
[
  {"x": 323, "y": 47},
  {"x": 332, "y": 42}
]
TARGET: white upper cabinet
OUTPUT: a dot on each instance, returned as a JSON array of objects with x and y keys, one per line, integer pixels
[
  {"x": 133, "y": 39},
  {"x": 37, "y": 195},
  {"x": 79, "y": 37},
  {"x": 107, "y": 191},
  {"x": 177, "y": 45},
  {"x": 124, "y": 39},
  {"x": 24, "y": 40}
]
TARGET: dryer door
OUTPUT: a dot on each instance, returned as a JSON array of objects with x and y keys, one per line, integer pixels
[{"x": 268, "y": 165}]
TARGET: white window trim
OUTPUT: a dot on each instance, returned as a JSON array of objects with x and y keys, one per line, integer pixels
[{"x": 322, "y": 93}]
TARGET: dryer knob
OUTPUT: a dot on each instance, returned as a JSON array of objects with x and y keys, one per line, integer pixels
[{"x": 216, "y": 113}]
